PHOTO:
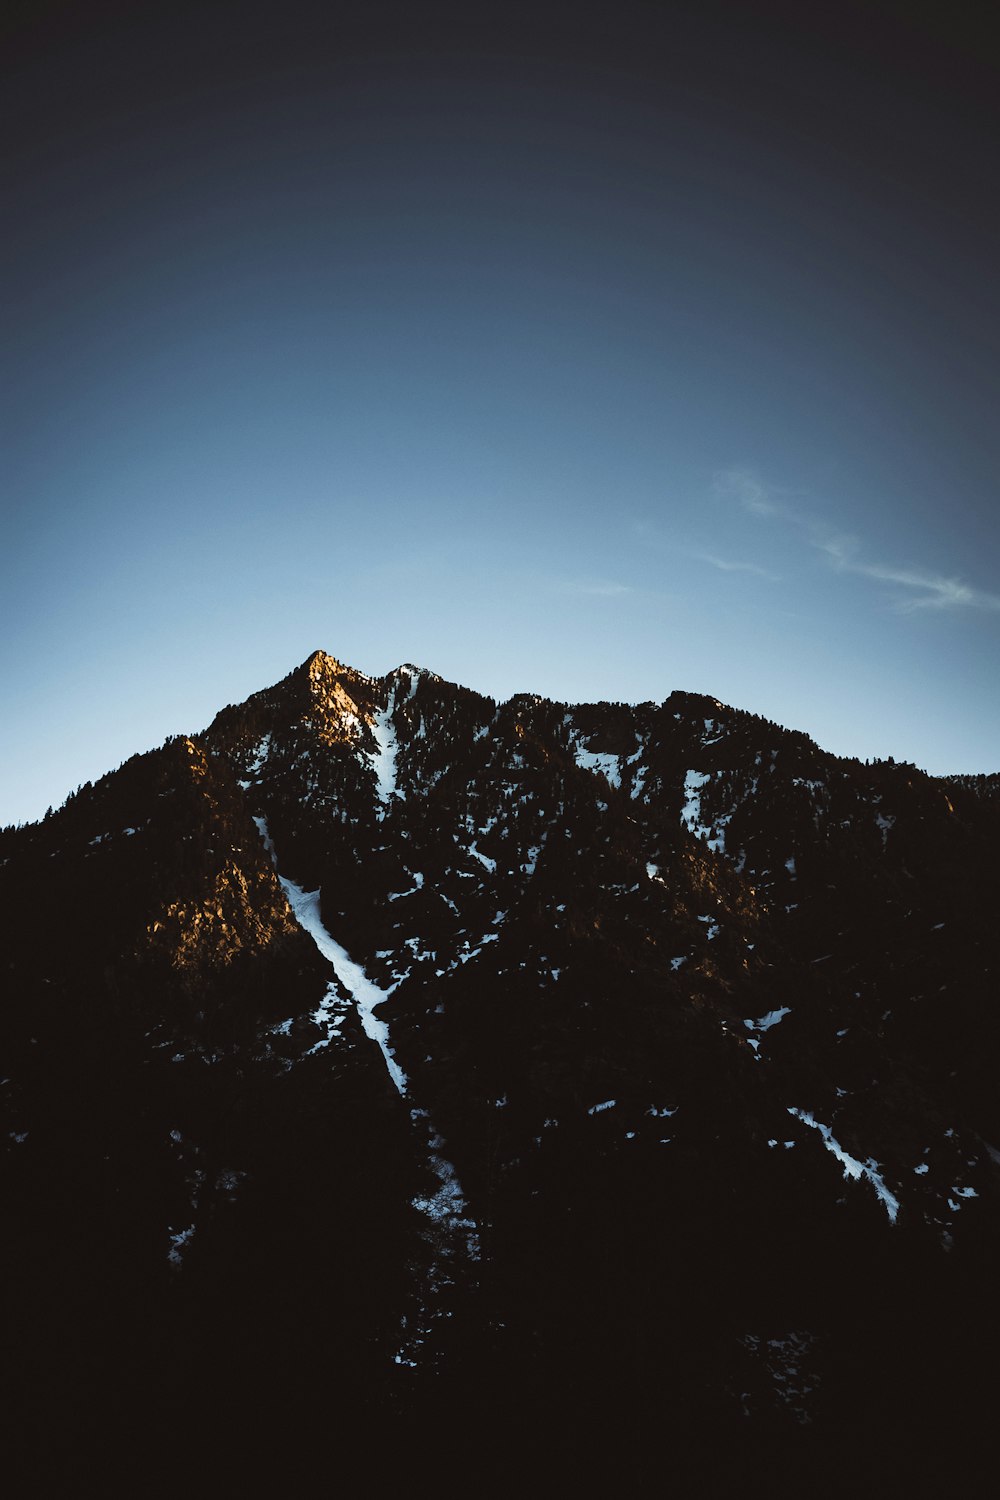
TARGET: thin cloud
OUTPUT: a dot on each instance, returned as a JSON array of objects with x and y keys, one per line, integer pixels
[
  {"x": 595, "y": 588},
  {"x": 930, "y": 591},
  {"x": 921, "y": 590},
  {"x": 841, "y": 551},
  {"x": 727, "y": 565},
  {"x": 917, "y": 589},
  {"x": 749, "y": 491}
]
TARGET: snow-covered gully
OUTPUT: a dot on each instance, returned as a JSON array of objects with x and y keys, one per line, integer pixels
[
  {"x": 851, "y": 1165},
  {"x": 451, "y": 1235},
  {"x": 383, "y": 759},
  {"x": 365, "y": 994}
]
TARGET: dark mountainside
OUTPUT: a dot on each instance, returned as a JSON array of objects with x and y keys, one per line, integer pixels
[{"x": 575, "y": 1207}]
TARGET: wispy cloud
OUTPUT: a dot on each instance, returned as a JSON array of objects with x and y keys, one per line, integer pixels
[
  {"x": 727, "y": 565},
  {"x": 928, "y": 590},
  {"x": 595, "y": 588},
  {"x": 743, "y": 486},
  {"x": 841, "y": 550},
  {"x": 915, "y": 588}
]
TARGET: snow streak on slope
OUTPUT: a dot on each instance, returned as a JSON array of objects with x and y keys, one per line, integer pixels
[
  {"x": 265, "y": 838},
  {"x": 852, "y": 1167},
  {"x": 453, "y": 1240},
  {"x": 365, "y": 994},
  {"x": 452, "y": 1236},
  {"x": 384, "y": 759}
]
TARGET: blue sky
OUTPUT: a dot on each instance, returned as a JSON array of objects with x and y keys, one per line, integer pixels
[{"x": 598, "y": 360}]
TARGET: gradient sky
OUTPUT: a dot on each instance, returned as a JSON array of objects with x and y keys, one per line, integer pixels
[{"x": 595, "y": 357}]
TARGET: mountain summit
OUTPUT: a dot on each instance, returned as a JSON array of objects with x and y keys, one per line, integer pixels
[{"x": 607, "y": 1077}]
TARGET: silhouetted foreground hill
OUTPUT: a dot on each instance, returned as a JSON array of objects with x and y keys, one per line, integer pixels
[{"x": 600, "y": 1091}]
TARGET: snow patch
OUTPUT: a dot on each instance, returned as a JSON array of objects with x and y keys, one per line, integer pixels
[
  {"x": 597, "y": 760},
  {"x": 691, "y": 815},
  {"x": 771, "y": 1019},
  {"x": 851, "y": 1165},
  {"x": 383, "y": 759},
  {"x": 484, "y": 859},
  {"x": 885, "y": 822},
  {"x": 179, "y": 1241},
  {"x": 366, "y": 995},
  {"x": 265, "y": 838}
]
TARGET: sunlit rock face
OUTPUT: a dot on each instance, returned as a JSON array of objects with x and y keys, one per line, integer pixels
[{"x": 577, "y": 1070}]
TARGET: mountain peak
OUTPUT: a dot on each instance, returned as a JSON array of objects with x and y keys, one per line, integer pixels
[
  {"x": 320, "y": 662},
  {"x": 408, "y": 672},
  {"x": 326, "y": 674}
]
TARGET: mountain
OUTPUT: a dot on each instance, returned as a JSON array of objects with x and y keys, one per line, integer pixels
[{"x": 602, "y": 1089}]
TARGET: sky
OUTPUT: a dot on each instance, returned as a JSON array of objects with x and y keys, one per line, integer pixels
[{"x": 588, "y": 352}]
